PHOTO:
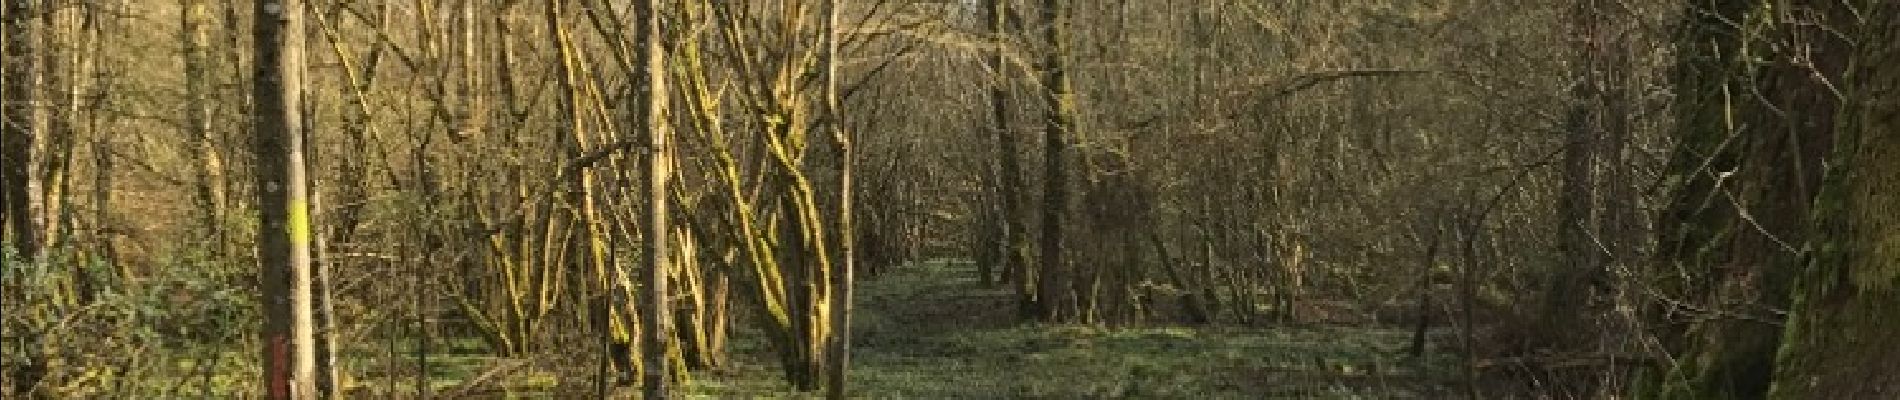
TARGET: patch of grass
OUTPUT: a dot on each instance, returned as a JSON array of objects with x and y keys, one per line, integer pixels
[{"x": 931, "y": 331}]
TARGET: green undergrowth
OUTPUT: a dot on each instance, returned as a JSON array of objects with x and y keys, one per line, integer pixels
[
  {"x": 927, "y": 331},
  {"x": 931, "y": 331}
]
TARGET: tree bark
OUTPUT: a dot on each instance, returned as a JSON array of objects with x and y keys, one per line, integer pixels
[
  {"x": 1015, "y": 232},
  {"x": 1747, "y": 166},
  {"x": 845, "y": 272},
  {"x": 20, "y": 131},
  {"x": 1579, "y": 216},
  {"x": 658, "y": 164},
  {"x": 1587, "y": 211},
  {"x": 1053, "y": 297},
  {"x": 289, "y": 356},
  {"x": 199, "y": 87},
  {"x": 19, "y": 179},
  {"x": 58, "y": 71},
  {"x": 1839, "y": 342}
]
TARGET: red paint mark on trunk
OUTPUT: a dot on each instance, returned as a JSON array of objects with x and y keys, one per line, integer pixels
[{"x": 277, "y": 378}]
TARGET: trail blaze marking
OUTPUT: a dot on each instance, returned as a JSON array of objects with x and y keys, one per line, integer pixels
[
  {"x": 299, "y": 224},
  {"x": 279, "y": 375}
]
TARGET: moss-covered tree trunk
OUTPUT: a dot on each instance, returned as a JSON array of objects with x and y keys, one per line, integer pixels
[
  {"x": 1015, "y": 232},
  {"x": 1757, "y": 117},
  {"x": 1841, "y": 340},
  {"x": 844, "y": 274},
  {"x": 1053, "y": 294}
]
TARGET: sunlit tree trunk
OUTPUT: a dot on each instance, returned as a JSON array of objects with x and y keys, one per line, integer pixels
[
  {"x": 657, "y": 162},
  {"x": 59, "y": 70},
  {"x": 283, "y": 246},
  {"x": 322, "y": 297},
  {"x": 101, "y": 150},
  {"x": 82, "y": 85},
  {"x": 207, "y": 160},
  {"x": 588, "y": 242},
  {"x": 844, "y": 274},
  {"x": 323, "y": 310}
]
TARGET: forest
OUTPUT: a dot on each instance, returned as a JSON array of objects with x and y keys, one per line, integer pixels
[{"x": 985, "y": 199}]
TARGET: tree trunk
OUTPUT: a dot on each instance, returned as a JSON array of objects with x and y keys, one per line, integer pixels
[
  {"x": 1571, "y": 286},
  {"x": 1015, "y": 230},
  {"x": 1839, "y": 342},
  {"x": 283, "y": 245},
  {"x": 19, "y": 129},
  {"x": 844, "y": 273},
  {"x": 322, "y": 297},
  {"x": 199, "y": 87},
  {"x": 322, "y": 309},
  {"x": 19, "y": 179},
  {"x": 658, "y": 160},
  {"x": 589, "y": 242},
  {"x": 1053, "y": 286},
  {"x": 1747, "y": 167},
  {"x": 58, "y": 84}
]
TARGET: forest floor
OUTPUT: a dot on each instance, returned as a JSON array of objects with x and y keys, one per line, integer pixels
[{"x": 930, "y": 330}]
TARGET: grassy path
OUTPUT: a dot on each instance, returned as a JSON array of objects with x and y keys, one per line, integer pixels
[{"x": 931, "y": 331}]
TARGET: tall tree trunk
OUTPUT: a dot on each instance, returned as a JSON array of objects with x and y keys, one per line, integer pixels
[
  {"x": 58, "y": 84},
  {"x": 1015, "y": 230},
  {"x": 19, "y": 179},
  {"x": 1839, "y": 341},
  {"x": 207, "y": 160},
  {"x": 283, "y": 245},
  {"x": 103, "y": 236},
  {"x": 1747, "y": 167},
  {"x": 322, "y": 309},
  {"x": 1571, "y": 286},
  {"x": 322, "y": 297},
  {"x": 1053, "y": 287},
  {"x": 846, "y": 269},
  {"x": 658, "y": 164},
  {"x": 83, "y": 86},
  {"x": 240, "y": 109},
  {"x": 19, "y": 129}
]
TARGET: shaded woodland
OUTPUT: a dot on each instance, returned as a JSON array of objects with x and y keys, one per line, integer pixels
[{"x": 300, "y": 199}]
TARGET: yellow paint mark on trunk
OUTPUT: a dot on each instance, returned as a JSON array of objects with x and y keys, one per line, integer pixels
[{"x": 298, "y": 225}]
